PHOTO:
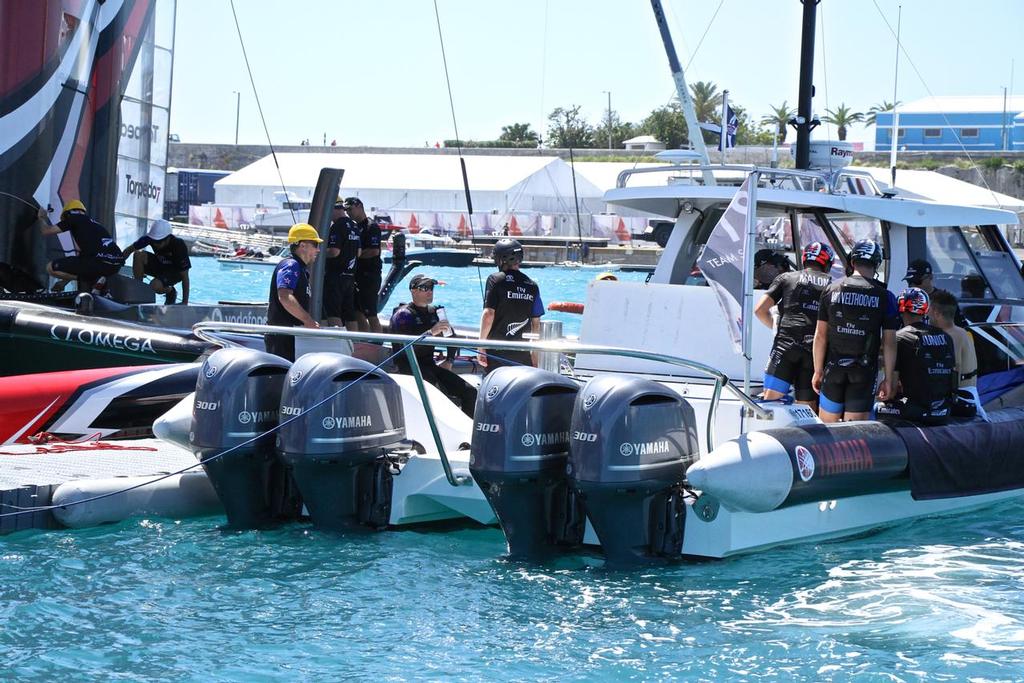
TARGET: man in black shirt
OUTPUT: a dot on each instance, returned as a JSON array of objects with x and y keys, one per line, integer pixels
[
  {"x": 288, "y": 304},
  {"x": 340, "y": 269},
  {"x": 768, "y": 265},
  {"x": 368, "y": 266},
  {"x": 98, "y": 254},
  {"x": 168, "y": 264},
  {"x": 511, "y": 304},
  {"x": 798, "y": 295},
  {"x": 856, "y": 316},
  {"x": 414, "y": 319},
  {"x": 925, "y": 365},
  {"x": 919, "y": 274}
]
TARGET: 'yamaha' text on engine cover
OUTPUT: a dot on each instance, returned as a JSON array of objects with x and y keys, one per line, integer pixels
[
  {"x": 336, "y": 448},
  {"x": 237, "y": 397},
  {"x": 518, "y": 457},
  {"x": 631, "y": 442}
]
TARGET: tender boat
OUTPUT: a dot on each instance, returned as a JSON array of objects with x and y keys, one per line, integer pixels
[{"x": 432, "y": 250}]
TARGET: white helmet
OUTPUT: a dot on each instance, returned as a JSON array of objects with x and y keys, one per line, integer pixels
[{"x": 159, "y": 230}]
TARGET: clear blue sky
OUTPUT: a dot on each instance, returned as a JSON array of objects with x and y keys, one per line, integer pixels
[{"x": 370, "y": 73}]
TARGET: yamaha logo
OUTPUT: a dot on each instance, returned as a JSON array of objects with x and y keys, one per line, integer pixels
[
  {"x": 244, "y": 417},
  {"x": 492, "y": 392},
  {"x": 211, "y": 370},
  {"x": 528, "y": 440},
  {"x": 804, "y": 463},
  {"x": 626, "y": 450},
  {"x": 589, "y": 401},
  {"x": 296, "y": 376},
  {"x": 328, "y": 422}
]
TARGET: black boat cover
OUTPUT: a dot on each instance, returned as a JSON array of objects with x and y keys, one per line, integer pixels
[{"x": 966, "y": 459}]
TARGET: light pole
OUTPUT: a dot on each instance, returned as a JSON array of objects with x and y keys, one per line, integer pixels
[
  {"x": 238, "y": 111},
  {"x": 609, "y": 93}
]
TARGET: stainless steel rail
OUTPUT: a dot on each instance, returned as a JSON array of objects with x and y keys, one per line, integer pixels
[
  {"x": 209, "y": 330},
  {"x": 829, "y": 181}
]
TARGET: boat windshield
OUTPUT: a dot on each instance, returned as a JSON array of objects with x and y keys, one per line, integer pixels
[{"x": 970, "y": 262}]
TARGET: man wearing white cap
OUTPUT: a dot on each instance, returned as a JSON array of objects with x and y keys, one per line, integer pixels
[{"x": 168, "y": 263}]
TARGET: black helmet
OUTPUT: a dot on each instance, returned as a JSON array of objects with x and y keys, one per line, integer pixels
[
  {"x": 867, "y": 250},
  {"x": 506, "y": 252}
]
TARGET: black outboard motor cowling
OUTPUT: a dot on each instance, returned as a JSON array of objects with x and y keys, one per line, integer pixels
[
  {"x": 237, "y": 398},
  {"x": 335, "y": 447},
  {"x": 518, "y": 455},
  {"x": 632, "y": 440}
]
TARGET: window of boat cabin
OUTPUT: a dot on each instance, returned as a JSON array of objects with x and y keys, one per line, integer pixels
[
  {"x": 847, "y": 230},
  {"x": 811, "y": 230},
  {"x": 971, "y": 262}
]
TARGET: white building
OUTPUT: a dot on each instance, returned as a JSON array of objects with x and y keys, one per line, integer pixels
[{"x": 646, "y": 143}]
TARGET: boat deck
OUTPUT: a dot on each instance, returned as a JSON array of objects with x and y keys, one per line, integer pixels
[{"x": 30, "y": 474}]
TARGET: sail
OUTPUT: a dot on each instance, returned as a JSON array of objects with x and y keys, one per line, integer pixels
[{"x": 722, "y": 262}]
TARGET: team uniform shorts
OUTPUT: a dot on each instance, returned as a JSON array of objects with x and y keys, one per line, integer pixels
[
  {"x": 168, "y": 275},
  {"x": 367, "y": 288},
  {"x": 85, "y": 267},
  {"x": 791, "y": 367},
  {"x": 848, "y": 386},
  {"x": 340, "y": 297}
]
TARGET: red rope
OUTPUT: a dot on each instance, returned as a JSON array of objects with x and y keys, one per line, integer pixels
[{"x": 63, "y": 446}]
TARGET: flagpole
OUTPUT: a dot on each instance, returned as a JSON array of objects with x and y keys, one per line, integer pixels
[
  {"x": 748, "y": 277},
  {"x": 723, "y": 140}
]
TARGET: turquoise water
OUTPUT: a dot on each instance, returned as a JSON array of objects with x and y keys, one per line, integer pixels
[
  {"x": 940, "y": 599},
  {"x": 153, "y": 599},
  {"x": 461, "y": 295}
]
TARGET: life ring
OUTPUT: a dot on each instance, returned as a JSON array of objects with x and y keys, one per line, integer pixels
[{"x": 566, "y": 307}]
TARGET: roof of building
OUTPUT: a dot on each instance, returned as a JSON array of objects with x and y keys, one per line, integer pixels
[
  {"x": 641, "y": 140},
  {"x": 389, "y": 171},
  {"x": 949, "y": 104}
]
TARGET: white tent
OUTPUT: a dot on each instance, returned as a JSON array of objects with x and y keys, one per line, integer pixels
[
  {"x": 943, "y": 189},
  {"x": 423, "y": 182}
]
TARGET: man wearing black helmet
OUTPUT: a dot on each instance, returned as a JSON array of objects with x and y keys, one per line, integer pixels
[
  {"x": 856, "y": 316},
  {"x": 798, "y": 295},
  {"x": 511, "y": 305}
]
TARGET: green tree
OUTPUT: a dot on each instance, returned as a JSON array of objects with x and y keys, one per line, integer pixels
[
  {"x": 569, "y": 129},
  {"x": 621, "y": 131},
  {"x": 748, "y": 132},
  {"x": 707, "y": 104},
  {"x": 882, "y": 107},
  {"x": 779, "y": 119},
  {"x": 518, "y": 132},
  {"x": 667, "y": 125},
  {"x": 842, "y": 117}
]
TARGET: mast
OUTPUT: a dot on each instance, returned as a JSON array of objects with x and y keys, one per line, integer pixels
[
  {"x": 693, "y": 128},
  {"x": 804, "y": 111}
]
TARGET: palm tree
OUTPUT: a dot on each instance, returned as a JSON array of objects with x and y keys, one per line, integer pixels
[
  {"x": 880, "y": 108},
  {"x": 779, "y": 118},
  {"x": 707, "y": 101},
  {"x": 842, "y": 116}
]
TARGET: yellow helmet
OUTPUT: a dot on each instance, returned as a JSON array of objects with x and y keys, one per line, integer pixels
[
  {"x": 303, "y": 232},
  {"x": 73, "y": 205}
]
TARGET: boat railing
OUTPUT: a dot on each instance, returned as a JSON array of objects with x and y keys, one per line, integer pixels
[
  {"x": 210, "y": 331},
  {"x": 806, "y": 180}
]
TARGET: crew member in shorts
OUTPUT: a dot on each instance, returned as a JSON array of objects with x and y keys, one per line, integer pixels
[
  {"x": 512, "y": 306},
  {"x": 368, "y": 266},
  {"x": 340, "y": 270},
  {"x": 168, "y": 264},
  {"x": 798, "y": 295},
  {"x": 855, "y": 317},
  {"x": 98, "y": 254}
]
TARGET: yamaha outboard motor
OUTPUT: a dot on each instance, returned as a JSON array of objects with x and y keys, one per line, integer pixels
[
  {"x": 518, "y": 455},
  {"x": 237, "y": 398},
  {"x": 337, "y": 449},
  {"x": 632, "y": 440}
]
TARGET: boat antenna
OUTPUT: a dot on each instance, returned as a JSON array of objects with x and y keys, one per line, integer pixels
[
  {"x": 692, "y": 127},
  {"x": 259, "y": 107},
  {"x": 895, "y": 102},
  {"x": 458, "y": 144},
  {"x": 576, "y": 200},
  {"x": 804, "y": 114}
]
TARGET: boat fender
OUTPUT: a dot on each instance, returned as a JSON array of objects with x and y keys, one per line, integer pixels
[
  {"x": 174, "y": 425},
  {"x": 183, "y": 495},
  {"x": 566, "y": 307}
]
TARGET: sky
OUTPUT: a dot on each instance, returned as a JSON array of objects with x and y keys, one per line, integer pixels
[{"x": 371, "y": 73}]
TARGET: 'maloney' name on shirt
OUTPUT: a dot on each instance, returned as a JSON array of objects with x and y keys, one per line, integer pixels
[{"x": 855, "y": 299}]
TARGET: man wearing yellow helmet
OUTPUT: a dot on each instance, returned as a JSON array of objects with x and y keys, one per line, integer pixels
[
  {"x": 98, "y": 254},
  {"x": 290, "y": 290}
]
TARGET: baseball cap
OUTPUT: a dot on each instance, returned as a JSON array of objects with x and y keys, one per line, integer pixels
[
  {"x": 918, "y": 269},
  {"x": 353, "y": 201},
  {"x": 159, "y": 230},
  {"x": 764, "y": 256},
  {"x": 421, "y": 281}
]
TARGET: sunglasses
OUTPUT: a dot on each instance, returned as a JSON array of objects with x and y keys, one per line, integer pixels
[{"x": 424, "y": 288}]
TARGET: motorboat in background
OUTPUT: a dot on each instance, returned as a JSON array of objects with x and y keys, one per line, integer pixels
[{"x": 435, "y": 250}]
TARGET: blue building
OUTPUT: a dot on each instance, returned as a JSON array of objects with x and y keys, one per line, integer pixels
[{"x": 954, "y": 123}]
